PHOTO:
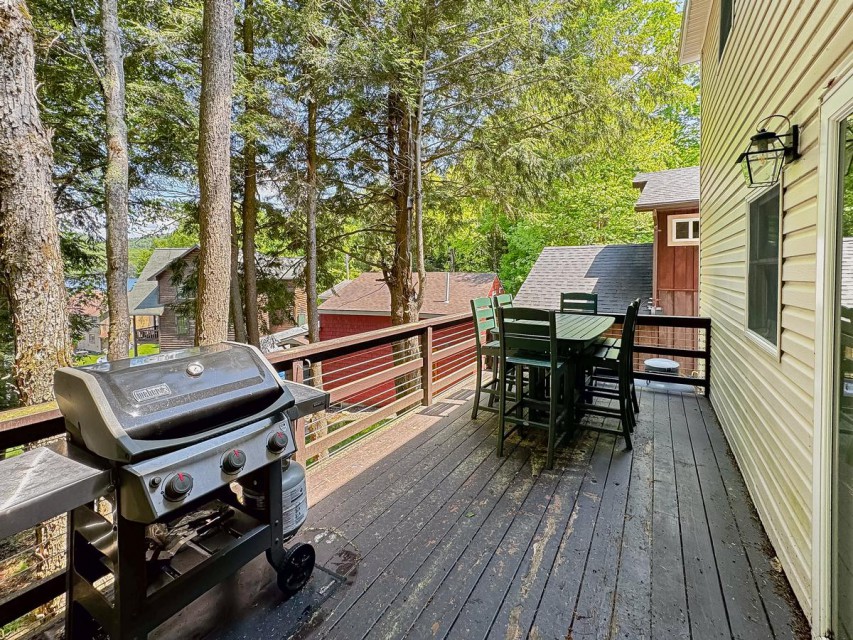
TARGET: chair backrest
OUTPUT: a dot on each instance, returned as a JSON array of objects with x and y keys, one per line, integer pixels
[
  {"x": 532, "y": 331},
  {"x": 502, "y": 300},
  {"x": 629, "y": 330},
  {"x": 579, "y": 303},
  {"x": 484, "y": 317}
]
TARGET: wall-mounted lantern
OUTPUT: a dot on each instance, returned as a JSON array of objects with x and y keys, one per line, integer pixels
[{"x": 767, "y": 152}]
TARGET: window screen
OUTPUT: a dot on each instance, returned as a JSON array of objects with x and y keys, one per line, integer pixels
[{"x": 763, "y": 287}]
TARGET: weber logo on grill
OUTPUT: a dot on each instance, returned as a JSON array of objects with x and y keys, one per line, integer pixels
[{"x": 151, "y": 393}]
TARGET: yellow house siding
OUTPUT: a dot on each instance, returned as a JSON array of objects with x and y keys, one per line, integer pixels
[{"x": 778, "y": 59}]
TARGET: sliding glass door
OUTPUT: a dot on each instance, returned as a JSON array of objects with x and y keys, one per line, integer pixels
[{"x": 842, "y": 564}]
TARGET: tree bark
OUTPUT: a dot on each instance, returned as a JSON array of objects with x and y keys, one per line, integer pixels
[
  {"x": 30, "y": 260},
  {"x": 250, "y": 190},
  {"x": 321, "y": 425},
  {"x": 115, "y": 182},
  {"x": 237, "y": 317},
  {"x": 214, "y": 272}
]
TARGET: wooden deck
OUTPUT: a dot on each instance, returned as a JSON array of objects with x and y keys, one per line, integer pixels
[{"x": 422, "y": 532}]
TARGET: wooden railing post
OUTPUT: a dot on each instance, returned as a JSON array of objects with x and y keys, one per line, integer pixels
[
  {"x": 296, "y": 375},
  {"x": 426, "y": 369}
]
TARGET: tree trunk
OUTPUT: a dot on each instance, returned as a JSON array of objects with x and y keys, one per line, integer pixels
[
  {"x": 214, "y": 272},
  {"x": 237, "y": 317},
  {"x": 250, "y": 191},
  {"x": 30, "y": 259},
  {"x": 115, "y": 182},
  {"x": 321, "y": 425}
]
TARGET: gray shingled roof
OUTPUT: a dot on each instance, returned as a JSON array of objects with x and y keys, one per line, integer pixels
[
  {"x": 143, "y": 299},
  {"x": 618, "y": 273},
  {"x": 667, "y": 189}
]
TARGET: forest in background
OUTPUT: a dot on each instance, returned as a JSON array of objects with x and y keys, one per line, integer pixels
[{"x": 412, "y": 133}]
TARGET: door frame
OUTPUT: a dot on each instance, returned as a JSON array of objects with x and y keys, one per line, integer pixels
[{"x": 836, "y": 105}]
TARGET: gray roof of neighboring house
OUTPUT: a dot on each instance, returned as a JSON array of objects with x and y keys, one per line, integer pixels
[
  {"x": 143, "y": 299},
  {"x": 618, "y": 273},
  {"x": 667, "y": 189}
]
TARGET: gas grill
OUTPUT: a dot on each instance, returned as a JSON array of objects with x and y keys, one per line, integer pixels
[{"x": 200, "y": 445}]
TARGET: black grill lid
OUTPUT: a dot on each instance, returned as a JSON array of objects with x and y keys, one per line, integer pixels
[{"x": 137, "y": 402}]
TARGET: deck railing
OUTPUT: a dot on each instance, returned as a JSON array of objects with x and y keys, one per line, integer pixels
[{"x": 372, "y": 378}]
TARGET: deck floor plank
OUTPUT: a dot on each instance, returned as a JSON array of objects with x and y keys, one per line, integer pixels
[
  {"x": 632, "y": 618},
  {"x": 445, "y": 540}
]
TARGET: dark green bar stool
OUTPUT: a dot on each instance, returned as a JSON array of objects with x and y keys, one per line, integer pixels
[
  {"x": 619, "y": 361},
  {"x": 528, "y": 342},
  {"x": 484, "y": 325}
]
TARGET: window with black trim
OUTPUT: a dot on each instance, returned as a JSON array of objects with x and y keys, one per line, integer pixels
[
  {"x": 727, "y": 11},
  {"x": 763, "y": 279}
]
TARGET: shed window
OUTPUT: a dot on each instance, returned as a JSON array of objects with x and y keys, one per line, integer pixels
[
  {"x": 684, "y": 230},
  {"x": 763, "y": 281},
  {"x": 727, "y": 9}
]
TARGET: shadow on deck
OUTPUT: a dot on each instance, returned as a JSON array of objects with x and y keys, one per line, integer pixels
[{"x": 422, "y": 532}]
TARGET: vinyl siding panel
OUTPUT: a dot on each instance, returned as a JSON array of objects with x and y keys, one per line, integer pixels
[{"x": 780, "y": 56}]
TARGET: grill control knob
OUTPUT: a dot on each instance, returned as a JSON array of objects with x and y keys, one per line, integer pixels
[
  {"x": 233, "y": 461},
  {"x": 178, "y": 486},
  {"x": 277, "y": 442}
]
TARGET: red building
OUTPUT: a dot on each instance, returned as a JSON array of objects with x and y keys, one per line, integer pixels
[{"x": 364, "y": 304}]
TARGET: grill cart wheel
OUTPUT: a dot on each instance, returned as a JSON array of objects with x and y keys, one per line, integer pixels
[{"x": 295, "y": 570}]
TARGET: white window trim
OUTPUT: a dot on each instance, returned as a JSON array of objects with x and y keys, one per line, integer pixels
[
  {"x": 773, "y": 350},
  {"x": 836, "y": 104},
  {"x": 673, "y": 220}
]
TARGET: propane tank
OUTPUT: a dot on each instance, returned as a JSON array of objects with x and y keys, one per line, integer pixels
[{"x": 294, "y": 499}]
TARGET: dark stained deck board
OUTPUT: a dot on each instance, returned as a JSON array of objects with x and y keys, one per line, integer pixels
[
  {"x": 556, "y": 607},
  {"x": 786, "y": 619},
  {"x": 453, "y": 542},
  {"x": 460, "y": 516},
  {"x": 746, "y": 614},
  {"x": 706, "y": 609},
  {"x": 669, "y": 595},
  {"x": 632, "y": 618}
]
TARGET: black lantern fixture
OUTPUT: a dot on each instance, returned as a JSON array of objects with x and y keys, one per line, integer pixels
[{"x": 767, "y": 152}]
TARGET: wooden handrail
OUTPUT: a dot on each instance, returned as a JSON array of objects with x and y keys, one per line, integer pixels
[{"x": 29, "y": 424}]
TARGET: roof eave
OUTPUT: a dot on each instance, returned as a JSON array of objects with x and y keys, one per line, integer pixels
[
  {"x": 694, "y": 23},
  {"x": 666, "y": 206}
]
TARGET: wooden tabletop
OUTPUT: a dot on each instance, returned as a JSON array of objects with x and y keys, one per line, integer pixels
[{"x": 577, "y": 328}]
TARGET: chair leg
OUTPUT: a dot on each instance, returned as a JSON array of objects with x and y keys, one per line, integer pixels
[
  {"x": 635, "y": 405},
  {"x": 501, "y": 416},
  {"x": 552, "y": 419},
  {"x": 496, "y": 375},
  {"x": 478, "y": 385},
  {"x": 625, "y": 411}
]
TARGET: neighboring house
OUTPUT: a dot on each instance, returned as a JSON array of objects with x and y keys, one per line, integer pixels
[
  {"x": 364, "y": 304},
  {"x": 159, "y": 293},
  {"x": 770, "y": 276},
  {"x": 672, "y": 197},
  {"x": 91, "y": 309}
]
